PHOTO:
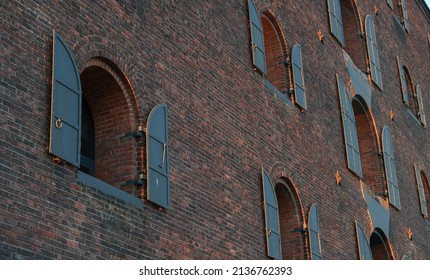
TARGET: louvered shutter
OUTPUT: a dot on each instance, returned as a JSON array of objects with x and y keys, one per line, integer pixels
[
  {"x": 335, "y": 16},
  {"x": 257, "y": 38},
  {"x": 390, "y": 168},
  {"x": 299, "y": 84},
  {"x": 364, "y": 251},
  {"x": 158, "y": 157},
  {"x": 372, "y": 51},
  {"x": 349, "y": 129},
  {"x": 314, "y": 233},
  {"x": 273, "y": 235},
  {"x": 66, "y": 98},
  {"x": 422, "y": 114},
  {"x": 421, "y": 192},
  {"x": 405, "y": 17},
  {"x": 403, "y": 85}
]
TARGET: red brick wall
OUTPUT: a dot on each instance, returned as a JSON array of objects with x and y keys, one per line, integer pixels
[{"x": 223, "y": 127}]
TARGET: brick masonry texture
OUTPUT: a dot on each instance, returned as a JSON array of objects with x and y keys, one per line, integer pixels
[{"x": 224, "y": 126}]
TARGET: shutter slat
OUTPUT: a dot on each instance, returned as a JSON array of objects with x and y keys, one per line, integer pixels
[
  {"x": 66, "y": 99},
  {"x": 158, "y": 156},
  {"x": 403, "y": 86},
  {"x": 314, "y": 233},
  {"x": 421, "y": 192},
  {"x": 421, "y": 106},
  {"x": 273, "y": 236},
  {"x": 390, "y": 168},
  {"x": 364, "y": 251},
  {"x": 257, "y": 38},
  {"x": 299, "y": 84},
  {"x": 349, "y": 129},
  {"x": 372, "y": 51}
]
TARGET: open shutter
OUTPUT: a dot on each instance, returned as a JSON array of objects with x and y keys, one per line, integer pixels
[
  {"x": 422, "y": 114},
  {"x": 257, "y": 38},
  {"x": 273, "y": 236},
  {"x": 405, "y": 17},
  {"x": 403, "y": 85},
  {"x": 421, "y": 193},
  {"x": 335, "y": 16},
  {"x": 349, "y": 130},
  {"x": 390, "y": 168},
  {"x": 314, "y": 233},
  {"x": 372, "y": 51},
  {"x": 65, "y": 133},
  {"x": 299, "y": 84},
  {"x": 364, "y": 250},
  {"x": 158, "y": 156}
]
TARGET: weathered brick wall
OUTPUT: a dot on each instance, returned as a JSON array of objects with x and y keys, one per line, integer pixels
[{"x": 224, "y": 126}]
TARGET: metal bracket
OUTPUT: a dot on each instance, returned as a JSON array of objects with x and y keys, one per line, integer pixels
[{"x": 299, "y": 230}]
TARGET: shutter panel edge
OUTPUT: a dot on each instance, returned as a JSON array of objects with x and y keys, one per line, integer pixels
[
  {"x": 298, "y": 77},
  {"x": 421, "y": 193},
  {"x": 313, "y": 213},
  {"x": 161, "y": 170},
  {"x": 268, "y": 230},
  {"x": 421, "y": 106},
  {"x": 58, "y": 123}
]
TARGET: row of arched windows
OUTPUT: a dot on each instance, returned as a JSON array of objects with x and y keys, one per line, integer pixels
[{"x": 362, "y": 141}]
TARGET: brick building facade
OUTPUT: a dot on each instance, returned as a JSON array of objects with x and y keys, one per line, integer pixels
[{"x": 214, "y": 129}]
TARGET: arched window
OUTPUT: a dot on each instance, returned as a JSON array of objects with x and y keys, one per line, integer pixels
[
  {"x": 399, "y": 9},
  {"x": 94, "y": 123},
  {"x": 379, "y": 246},
  {"x": 423, "y": 191},
  {"x": 371, "y": 163},
  {"x": 284, "y": 220},
  {"x": 275, "y": 53},
  {"x": 112, "y": 119},
  {"x": 345, "y": 25},
  {"x": 411, "y": 99}
]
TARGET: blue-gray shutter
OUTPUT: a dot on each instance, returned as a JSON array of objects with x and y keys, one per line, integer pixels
[
  {"x": 257, "y": 38},
  {"x": 390, "y": 3},
  {"x": 372, "y": 51},
  {"x": 273, "y": 235},
  {"x": 299, "y": 82},
  {"x": 421, "y": 192},
  {"x": 364, "y": 251},
  {"x": 403, "y": 84},
  {"x": 335, "y": 16},
  {"x": 65, "y": 133},
  {"x": 405, "y": 17},
  {"x": 390, "y": 168},
  {"x": 314, "y": 233},
  {"x": 422, "y": 114},
  {"x": 349, "y": 130},
  {"x": 158, "y": 156}
]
